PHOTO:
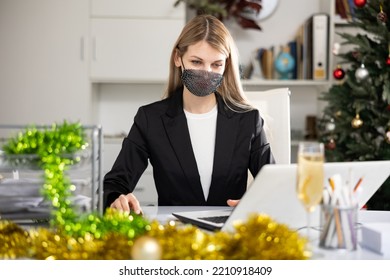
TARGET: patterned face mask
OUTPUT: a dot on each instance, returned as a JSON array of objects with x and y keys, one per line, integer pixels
[{"x": 201, "y": 82}]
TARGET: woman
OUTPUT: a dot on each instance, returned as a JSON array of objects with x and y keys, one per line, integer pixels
[{"x": 202, "y": 138}]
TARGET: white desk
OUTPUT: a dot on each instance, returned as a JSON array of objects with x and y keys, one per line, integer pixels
[{"x": 163, "y": 215}]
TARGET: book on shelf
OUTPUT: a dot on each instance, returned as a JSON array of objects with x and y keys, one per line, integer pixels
[
  {"x": 351, "y": 6},
  {"x": 346, "y": 9},
  {"x": 320, "y": 46},
  {"x": 299, "y": 51},
  {"x": 307, "y": 49},
  {"x": 345, "y": 4},
  {"x": 341, "y": 9},
  {"x": 312, "y": 48},
  {"x": 292, "y": 45}
]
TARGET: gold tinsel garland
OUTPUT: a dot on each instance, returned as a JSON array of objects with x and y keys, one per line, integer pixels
[
  {"x": 117, "y": 235},
  {"x": 259, "y": 238}
]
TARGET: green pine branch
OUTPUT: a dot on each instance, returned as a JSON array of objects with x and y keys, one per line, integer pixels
[{"x": 365, "y": 98}]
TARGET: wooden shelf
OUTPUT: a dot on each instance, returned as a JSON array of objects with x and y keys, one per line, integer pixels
[{"x": 259, "y": 82}]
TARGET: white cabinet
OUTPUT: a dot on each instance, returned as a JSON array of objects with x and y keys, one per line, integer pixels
[
  {"x": 137, "y": 9},
  {"x": 44, "y": 61},
  {"x": 132, "y": 49},
  {"x": 132, "y": 40}
]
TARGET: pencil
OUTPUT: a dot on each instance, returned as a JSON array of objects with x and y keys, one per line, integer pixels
[
  {"x": 358, "y": 184},
  {"x": 331, "y": 183},
  {"x": 339, "y": 230}
]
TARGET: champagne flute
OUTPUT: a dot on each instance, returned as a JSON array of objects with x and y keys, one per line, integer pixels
[{"x": 310, "y": 176}]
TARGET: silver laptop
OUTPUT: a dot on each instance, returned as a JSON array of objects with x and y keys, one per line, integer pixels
[{"x": 273, "y": 193}]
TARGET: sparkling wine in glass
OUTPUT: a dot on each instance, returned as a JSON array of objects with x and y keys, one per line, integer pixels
[{"x": 310, "y": 176}]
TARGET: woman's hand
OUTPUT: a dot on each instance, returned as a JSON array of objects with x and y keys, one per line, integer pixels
[
  {"x": 233, "y": 202},
  {"x": 127, "y": 203}
]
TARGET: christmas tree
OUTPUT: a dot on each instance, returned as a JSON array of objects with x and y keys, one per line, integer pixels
[{"x": 355, "y": 125}]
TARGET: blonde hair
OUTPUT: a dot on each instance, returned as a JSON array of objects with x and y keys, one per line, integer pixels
[{"x": 208, "y": 28}]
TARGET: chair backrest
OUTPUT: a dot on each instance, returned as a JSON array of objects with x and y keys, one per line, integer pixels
[{"x": 274, "y": 108}]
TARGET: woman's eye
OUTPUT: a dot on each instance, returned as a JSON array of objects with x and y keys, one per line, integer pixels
[{"x": 196, "y": 62}]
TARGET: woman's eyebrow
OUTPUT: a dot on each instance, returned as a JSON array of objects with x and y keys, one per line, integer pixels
[{"x": 196, "y": 57}]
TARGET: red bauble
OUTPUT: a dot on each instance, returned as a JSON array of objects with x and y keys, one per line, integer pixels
[
  {"x": 331, "y": 145},
  {"x": 388, "y": 61},
  {"x": 338, "y": 73},
  {"x": 382, "y": 17},
  {"x": 360, "y": 3}
]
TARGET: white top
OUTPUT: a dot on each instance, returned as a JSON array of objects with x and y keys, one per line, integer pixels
[{"x": 202, "y": 128}]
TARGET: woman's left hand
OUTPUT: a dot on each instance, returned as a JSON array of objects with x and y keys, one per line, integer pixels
[{"x": 233, "y": 202}]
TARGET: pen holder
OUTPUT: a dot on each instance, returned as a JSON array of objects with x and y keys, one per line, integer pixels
[{"x": 338, "y": 227}]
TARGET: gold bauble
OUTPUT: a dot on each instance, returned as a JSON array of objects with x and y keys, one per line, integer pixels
[
  {"x": 356, "y": 121},
  {"x": 146, "y": 248}
]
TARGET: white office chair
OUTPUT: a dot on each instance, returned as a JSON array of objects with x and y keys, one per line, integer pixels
[{"x": 274, "y": 107}]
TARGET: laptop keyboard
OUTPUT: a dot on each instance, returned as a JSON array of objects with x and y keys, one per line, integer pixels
[{"x": 215, "y": 219}]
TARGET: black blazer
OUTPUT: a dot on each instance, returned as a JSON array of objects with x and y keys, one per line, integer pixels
[{"x": 160, "y": 134}]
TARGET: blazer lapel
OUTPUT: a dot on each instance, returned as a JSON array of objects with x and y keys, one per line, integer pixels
[
  {"x": 176, "y": 127},
  {"x": 226, "y": 135}
]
